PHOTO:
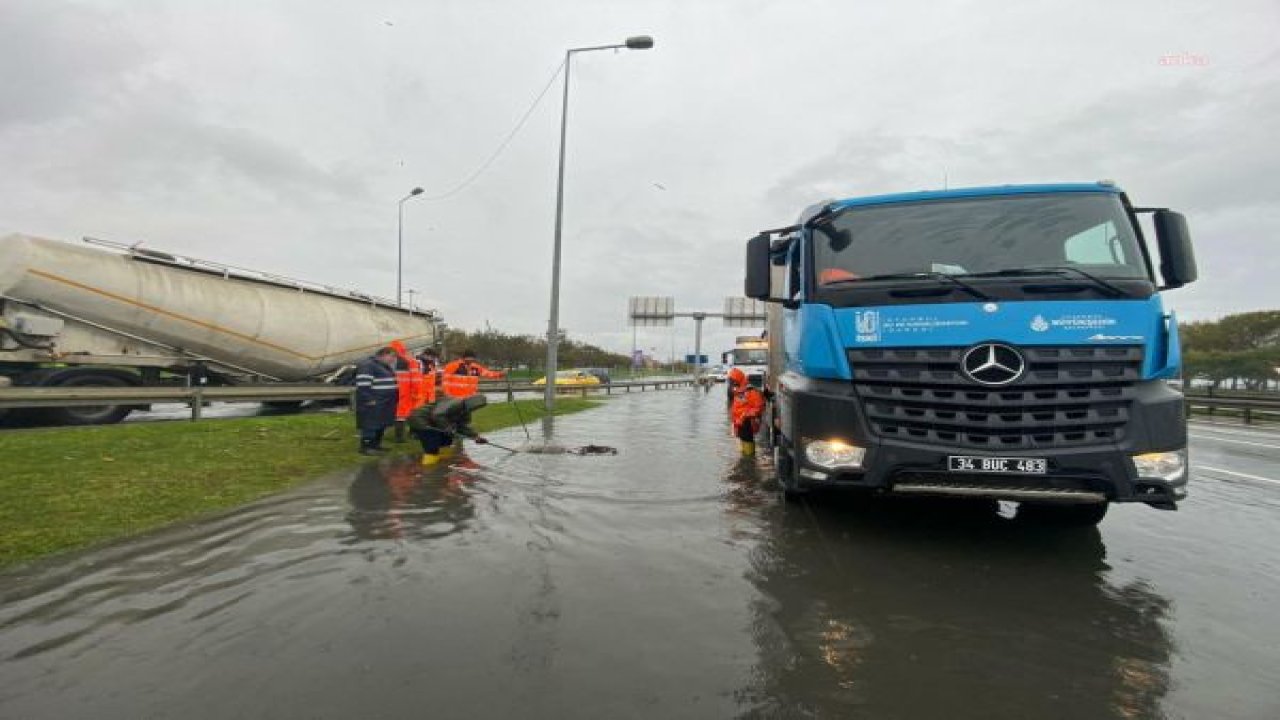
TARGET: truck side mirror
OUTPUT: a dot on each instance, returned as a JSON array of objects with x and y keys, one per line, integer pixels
[
  {"x": 1177, "y": 258},
  {"x": 758, "y": 283}
]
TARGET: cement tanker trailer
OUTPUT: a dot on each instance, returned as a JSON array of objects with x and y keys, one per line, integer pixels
[{"x": 115, "y": 315}]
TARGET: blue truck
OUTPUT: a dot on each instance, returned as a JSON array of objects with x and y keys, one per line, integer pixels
[{"x": 994, "y": 343}]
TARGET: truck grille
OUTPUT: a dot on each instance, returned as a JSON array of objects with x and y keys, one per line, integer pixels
[{"x": 1068, "y": 396}]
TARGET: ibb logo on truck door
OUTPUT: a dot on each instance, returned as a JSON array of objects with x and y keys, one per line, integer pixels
[
  {"x": 867, "y": 323},
  {"x": 993, "y": 364}
]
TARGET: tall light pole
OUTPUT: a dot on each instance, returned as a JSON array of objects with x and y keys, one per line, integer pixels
[
  {"x": 400, "y": 245},
  {"x": 639, "y": 42}
]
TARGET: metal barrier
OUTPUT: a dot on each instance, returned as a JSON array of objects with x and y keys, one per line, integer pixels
[
  {"x": 1250, "y": 408},
  {"x": 198, "y": 396}
]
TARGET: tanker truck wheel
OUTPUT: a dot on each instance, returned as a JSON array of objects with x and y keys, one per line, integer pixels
[
  {"x": 92, "y": 415},
  {"x": 283, "y": 407}
]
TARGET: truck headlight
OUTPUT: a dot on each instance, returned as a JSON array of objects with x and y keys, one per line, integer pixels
[
  {"x": 1167, "y": 466},
  {"x": 834, "y": 454}
]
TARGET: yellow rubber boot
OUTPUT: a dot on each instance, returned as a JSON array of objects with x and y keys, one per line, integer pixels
[
  {"x": 748, "y": 449},
  {"x": 428, "y": 459},
  {"x": 447, "y": 452}
]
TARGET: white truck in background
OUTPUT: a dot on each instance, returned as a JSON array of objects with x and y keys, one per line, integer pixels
[
  {"x": 750, "y": 354},
  {"x": 108, "y": 314}
]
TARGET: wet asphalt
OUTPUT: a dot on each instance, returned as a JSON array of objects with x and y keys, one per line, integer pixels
[{"x": 668, "y": 581}]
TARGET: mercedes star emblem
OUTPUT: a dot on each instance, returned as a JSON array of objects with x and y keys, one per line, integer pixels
[{"x": 993, "y": 364}]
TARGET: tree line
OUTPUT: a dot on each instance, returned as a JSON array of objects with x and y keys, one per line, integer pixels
[
  {"x": 1241, "y": 351},
  {"x": 499, "y": 349}
]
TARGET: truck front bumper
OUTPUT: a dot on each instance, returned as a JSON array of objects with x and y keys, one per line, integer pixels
[{"x": 817, "y": 410}]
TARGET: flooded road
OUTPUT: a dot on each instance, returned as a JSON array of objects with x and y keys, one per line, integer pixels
[{"x": 668, "y": 581}]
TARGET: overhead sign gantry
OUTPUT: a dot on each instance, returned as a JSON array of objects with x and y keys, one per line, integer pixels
[{"x": 660, "y": 311}]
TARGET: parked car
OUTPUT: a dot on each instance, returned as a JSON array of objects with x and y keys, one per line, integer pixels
[{"x": 571, "y": 378}]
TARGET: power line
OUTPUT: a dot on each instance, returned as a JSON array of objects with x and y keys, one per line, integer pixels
[{"x": 502, "y": 145}]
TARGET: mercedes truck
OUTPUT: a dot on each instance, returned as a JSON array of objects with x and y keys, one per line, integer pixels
[{"x": 1001, "y": 343}]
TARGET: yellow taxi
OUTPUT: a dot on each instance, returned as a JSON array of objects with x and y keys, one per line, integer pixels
[{"x": 571, "y": 378}]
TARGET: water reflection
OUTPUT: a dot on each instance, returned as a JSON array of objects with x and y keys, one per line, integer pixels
[
  {"x": 400, "y": 500},
  {"x": 900, "y": 610}
]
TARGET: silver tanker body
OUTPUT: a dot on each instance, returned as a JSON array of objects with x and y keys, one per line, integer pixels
[{"x": 80, "y": 315}]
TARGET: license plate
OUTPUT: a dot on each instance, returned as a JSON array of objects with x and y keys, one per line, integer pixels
[{"x": 997, "y": 465}]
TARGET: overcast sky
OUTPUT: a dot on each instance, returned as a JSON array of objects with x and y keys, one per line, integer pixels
[{"x": 279, "y": 134}]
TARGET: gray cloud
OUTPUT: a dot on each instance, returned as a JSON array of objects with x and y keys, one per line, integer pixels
[
  {"x": 59, "y": 59},
  {"x": 281, "y": 134}
]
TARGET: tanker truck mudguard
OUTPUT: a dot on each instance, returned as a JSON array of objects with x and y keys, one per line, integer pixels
[{"x": 1006, "y": 343}]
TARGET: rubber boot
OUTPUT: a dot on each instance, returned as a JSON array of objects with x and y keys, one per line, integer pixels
[
  {"x": 428, "y": 459},
  {"x": 448, "y": 451},
  {"x": 400, "y": 432},
  {"x": 748, "y": 448}
]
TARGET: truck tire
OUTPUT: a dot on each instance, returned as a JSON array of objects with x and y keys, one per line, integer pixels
[
  {"x": 785, "y": 471},
  {"x": 1055, "y": 515},
  {"x": 93, "y": 415}
]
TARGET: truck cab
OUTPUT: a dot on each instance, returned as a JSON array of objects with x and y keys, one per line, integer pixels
[
  {"x": 750, "y": 354},
  {"x": 1002, "y": 343}
]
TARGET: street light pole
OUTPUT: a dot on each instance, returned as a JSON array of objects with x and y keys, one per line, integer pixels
[
  {"x": 400, "y": 244},
  {"x": 640, "y": 42}
]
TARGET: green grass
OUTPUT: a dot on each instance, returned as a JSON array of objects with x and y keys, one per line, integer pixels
[{"x": 68, "y": 488}]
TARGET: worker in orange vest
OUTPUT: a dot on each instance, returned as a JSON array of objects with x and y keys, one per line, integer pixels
[
  {"x": 746, "y": 411},
  {"x": 412, "y": 386},
  {"x": 461, "y": 378}
]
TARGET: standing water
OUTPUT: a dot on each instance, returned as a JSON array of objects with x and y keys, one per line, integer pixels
[{"x": 667, "y": 581}]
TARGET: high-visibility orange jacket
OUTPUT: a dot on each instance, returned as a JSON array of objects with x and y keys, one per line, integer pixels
[
  {"x": 748, "y": 405},
  {"x": 410, "y": 382},
  {"x": 461, "y": 378}
]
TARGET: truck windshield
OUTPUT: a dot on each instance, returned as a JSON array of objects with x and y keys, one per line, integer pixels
[
  {"x": 979, "y": 236},
  {"x": 750, "y": 357}
]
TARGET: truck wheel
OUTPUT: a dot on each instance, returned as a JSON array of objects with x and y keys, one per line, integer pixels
[
  {"x": 785, "y": 471},
  {"x": 283, "y": 407},
  {"x": 1062, "y": 515},
  {"x": 92, "y": 415}
]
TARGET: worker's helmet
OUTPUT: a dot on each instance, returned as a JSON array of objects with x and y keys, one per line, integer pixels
[{"x": 737, "y": 377}]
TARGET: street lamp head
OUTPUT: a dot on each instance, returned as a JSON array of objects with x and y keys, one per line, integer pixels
[
  {"x": 639, "y": 42},
  {"x": 416, "y": 191}
]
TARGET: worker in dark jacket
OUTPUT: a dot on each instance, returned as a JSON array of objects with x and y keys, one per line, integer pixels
[
  {"x": 430, "y": 360},
  {"x": 437, "y": 424},
  {"x": 376, "y": 397}
]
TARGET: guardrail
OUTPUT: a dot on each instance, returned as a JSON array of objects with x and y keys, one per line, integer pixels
[
  {"x": 1250, "y": 408},
  {"x": 198, "y": 396}
]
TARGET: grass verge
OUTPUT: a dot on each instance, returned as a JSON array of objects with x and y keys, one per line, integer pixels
[{"x": 73, "y": 487}]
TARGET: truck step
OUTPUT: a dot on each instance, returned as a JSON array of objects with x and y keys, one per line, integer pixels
[{"x": 1004, "y": 493}]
